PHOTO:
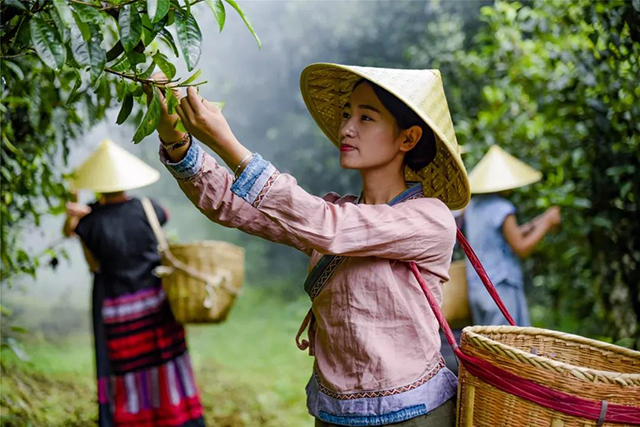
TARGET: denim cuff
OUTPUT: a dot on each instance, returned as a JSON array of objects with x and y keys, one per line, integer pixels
[
  {"x": 188, "y": 166},
  {"x": 254, "y": 182}
]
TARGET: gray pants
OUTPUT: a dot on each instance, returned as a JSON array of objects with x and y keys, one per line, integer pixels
[
  {"x": 443, "y": 416},
  {"x": 485, "y": 311}
]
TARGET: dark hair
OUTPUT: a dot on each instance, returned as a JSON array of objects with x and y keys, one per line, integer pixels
[{"x": 425, "y": 150}]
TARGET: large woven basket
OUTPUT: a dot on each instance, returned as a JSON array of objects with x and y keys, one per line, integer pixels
[
  {"x": 568, "y": 363},
  {"x": 206, "y": 289},
  {"x": 512, "y": 376}
]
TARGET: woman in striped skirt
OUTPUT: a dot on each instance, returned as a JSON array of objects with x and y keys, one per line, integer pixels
[{"x": 144, "y": 371}]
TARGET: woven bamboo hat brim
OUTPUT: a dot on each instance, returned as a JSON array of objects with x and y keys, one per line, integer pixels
[
  {"x": 111, "y": 168},
  {"x": 326, "y": 89},
  {"x": 500, "y": 171}
]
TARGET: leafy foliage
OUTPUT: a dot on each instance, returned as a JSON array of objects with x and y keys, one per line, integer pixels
[
  {"x": 58, "y": 79},
  {"x": 556, "y": 84}
]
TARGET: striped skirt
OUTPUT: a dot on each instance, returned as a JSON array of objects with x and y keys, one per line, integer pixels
[{"x": 145, "y": 378}]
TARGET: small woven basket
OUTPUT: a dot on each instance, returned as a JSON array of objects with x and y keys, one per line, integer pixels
[
  {"x": 201, "y": 280},
  {"x": 568, "y": 363},
  {"x": 204, "y": 290}
]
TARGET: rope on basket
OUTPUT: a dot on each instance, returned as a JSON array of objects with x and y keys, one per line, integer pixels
[
  {"x": 220, "y": 279},
  {"x": 566, "y": 403}
]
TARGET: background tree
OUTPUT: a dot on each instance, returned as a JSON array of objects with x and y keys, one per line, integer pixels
[
  {"x": 556, "y": 84},
  {"x": 64, "y": 63}
]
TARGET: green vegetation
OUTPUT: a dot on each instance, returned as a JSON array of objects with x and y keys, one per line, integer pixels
[
  {"x": 552, "y": 82},
  {"x": 249, "y": 371}
]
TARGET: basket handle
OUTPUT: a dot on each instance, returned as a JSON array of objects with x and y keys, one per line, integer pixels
[
  {"x": 477, "y": 265},
  {"x": 155, "y": 225},
  {"x": 220, "y": 279},
  {"x": 482, "y": 273}
]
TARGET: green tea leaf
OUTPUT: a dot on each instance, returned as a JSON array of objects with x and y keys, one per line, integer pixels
[
  {"x": 136, "y": 58},
  {"x": 217, "y": 7},
  {"x": 97, "y": 55},
  {"x": 73, "y": 95},
  {"x": 189, "y": 38},
  {"x": 122, "y": 65},
  {"x": 14, "y": 345},
  {"x": 79, "y": 47},
  {"x": 15, "y": 3},
  {"x": 125, "y": 110},
  {"x": 246, "y": 20},
  {"x": 88, "y": 14},
  {"x": 15, "y": 68},
  {"x": 64, "y": 11},
  {"x": 163, "y": 63},
  {"x": 157, "y": 9},
  {"x": 130, "y": 27},
  {"x": 138, "y": 91},
  {"x": 150, "y": 119},
  {"x": 115, "y": 51},
  {"x": 46, "y": 43},
  {"x": 19, "y": 329},
  {"x": 61, "y": 26},
  {"x": 172, "y": 101},
  {"x": 192, "y": 78},
  {"x": 147, "y": 73},
  {"x": 166, "y": 37},
  {"x": 179, "y": 126},
  {"x": 82, "y": 26}
]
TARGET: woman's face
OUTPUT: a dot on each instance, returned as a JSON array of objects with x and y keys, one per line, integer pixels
[{"x": 370, "y": 137}]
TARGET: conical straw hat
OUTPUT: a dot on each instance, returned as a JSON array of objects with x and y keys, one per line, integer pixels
[
  {"x": 111, "y": 168},
  {"x": 500, "y": 171},
  {"x": 327, "y": 87}
]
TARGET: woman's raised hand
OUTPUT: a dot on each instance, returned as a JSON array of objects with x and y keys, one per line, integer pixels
[
  {"x": 167, "y": 123},
  {"x": 552, "y": 216},
  {"x": 200, "y": 118},
  {"x": 77, "y": 210},
  {"x": 205, "y": 121}
]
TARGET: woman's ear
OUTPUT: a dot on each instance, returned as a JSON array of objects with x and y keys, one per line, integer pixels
[{"x": 411, "y": 137}]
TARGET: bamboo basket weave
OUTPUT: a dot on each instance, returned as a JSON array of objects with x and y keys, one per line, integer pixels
[
  {"x": 208, "y": 295},
  {"x": 572, "y": 364},
  {"x": 201, "y": 280}
]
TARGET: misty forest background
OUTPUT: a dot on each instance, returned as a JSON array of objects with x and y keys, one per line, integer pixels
[{"x": 554, "y": 83}]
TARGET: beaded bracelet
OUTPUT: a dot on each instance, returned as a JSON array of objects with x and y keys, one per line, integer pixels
[{"x": 170, "y": 146}]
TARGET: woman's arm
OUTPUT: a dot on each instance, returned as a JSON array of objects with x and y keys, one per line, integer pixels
[
  {"x": 523, "y": 239},
  {"x": 415, "y": 230},
  {"x": 75, "y": 212},
  {"x": 208, "y": 185}
]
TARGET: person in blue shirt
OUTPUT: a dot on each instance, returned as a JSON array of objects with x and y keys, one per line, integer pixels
[{"x": 500, "y": 242}]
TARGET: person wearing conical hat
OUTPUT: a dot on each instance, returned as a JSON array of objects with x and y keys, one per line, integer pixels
[
  {"x": 376, "y": 347},
  {"x": 142, "y": 364},
  {"x": 499, "y": 241}
]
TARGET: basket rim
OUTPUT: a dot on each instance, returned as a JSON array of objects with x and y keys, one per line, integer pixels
[{"x": 619, "y": 378}]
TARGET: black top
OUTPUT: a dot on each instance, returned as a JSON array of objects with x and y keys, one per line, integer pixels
[{"x": 121, "y": 239}]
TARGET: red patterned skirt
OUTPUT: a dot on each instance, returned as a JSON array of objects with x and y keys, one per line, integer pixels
[{"x": 145, "y": 378}]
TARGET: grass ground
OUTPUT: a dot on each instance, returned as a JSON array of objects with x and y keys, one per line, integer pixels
[{"x": 249, "y": 371}]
